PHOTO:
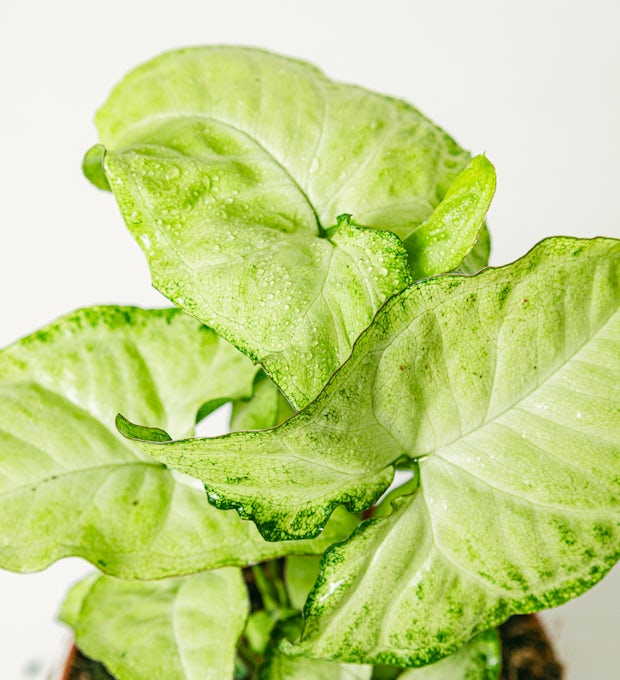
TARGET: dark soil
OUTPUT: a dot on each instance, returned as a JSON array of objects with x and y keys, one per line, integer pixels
[{"x": 527, "y": 655}]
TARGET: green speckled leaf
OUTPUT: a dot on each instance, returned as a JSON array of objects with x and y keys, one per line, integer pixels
[
  {"x": 505, "y": 388},
  {"x": 69, "y": 485},
  {"x": 479, "y": 659},
  {"x": 177, "y": 629},
  {"x": 232, "y": 165},
  {"x": 516, "y": 419},
  {"x": 281, "y": 478},
  {"x": 382, "y": 600},
  {"x": 278, "y": 666}
]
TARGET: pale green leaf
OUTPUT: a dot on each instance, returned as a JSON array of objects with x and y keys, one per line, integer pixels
[
  {"x": 232, "y": 165},
  {"x": 74, "y": 599},
  {"x": 283, "y": 295},
  {"x": 70, "y": 485},
  {"x": 341, "y": 145},
  {"x": 177, "y": 629},
  {"x": 505, "y": 388},
  {"x": 278, "y": 666},
  {"x": 300, "y": 574},
  {"x": 514, "y": 379},
  {"x": 258, "y": 629}
]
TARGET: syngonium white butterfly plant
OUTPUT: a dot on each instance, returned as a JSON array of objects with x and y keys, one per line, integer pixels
[{"x": 325, "y": 249}]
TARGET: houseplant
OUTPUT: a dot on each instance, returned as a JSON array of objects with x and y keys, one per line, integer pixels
[{"x": 334, "y": 237}]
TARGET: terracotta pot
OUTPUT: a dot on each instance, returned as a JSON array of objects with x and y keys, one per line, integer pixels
[
  {"x": 79, "y": 667},
  {"x": 526, "y": 652}
]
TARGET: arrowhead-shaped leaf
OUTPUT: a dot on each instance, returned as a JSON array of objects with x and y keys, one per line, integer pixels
[
  {"x": 505, "y": 388},
  {"x": 231, "y": 167},
  {"x": 177, "y": 629},
  {"x": 69, "y": 485},
  {"x": 280, "y": 478},
  {"x": 518, "y": 505}
]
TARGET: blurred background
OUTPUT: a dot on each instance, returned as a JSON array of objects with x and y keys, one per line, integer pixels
[{"x": 534, "y": 85}]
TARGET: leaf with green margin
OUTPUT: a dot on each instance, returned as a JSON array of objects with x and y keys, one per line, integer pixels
[
  {"x": 479, "y": 659},
  {"x": 518, "y": 506},
  {"x": 505, "y": 387},
  {"x": 278, "y": 666},
  {"x": 229, "y": 164},
  {"x": 280, "y": 478},
  {"x": 69, "y": 485},
  {"x": 443, "y": 241},
  {"x": 267, "y": 407},
  {"x": 177, "y": 629},
  {"x": 399, "y": 603}
]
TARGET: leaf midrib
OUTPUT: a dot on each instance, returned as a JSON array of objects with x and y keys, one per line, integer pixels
[
  {"x": 518, "y": 404},
  {"x": 549, "y": 376}
]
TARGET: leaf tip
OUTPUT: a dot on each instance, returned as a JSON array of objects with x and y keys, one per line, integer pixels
[
  {"x": 93, "y": 169},
  {"x": 135, "y": 432}
]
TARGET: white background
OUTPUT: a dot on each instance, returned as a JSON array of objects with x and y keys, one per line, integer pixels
[{"x": 536, "y": 85}]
